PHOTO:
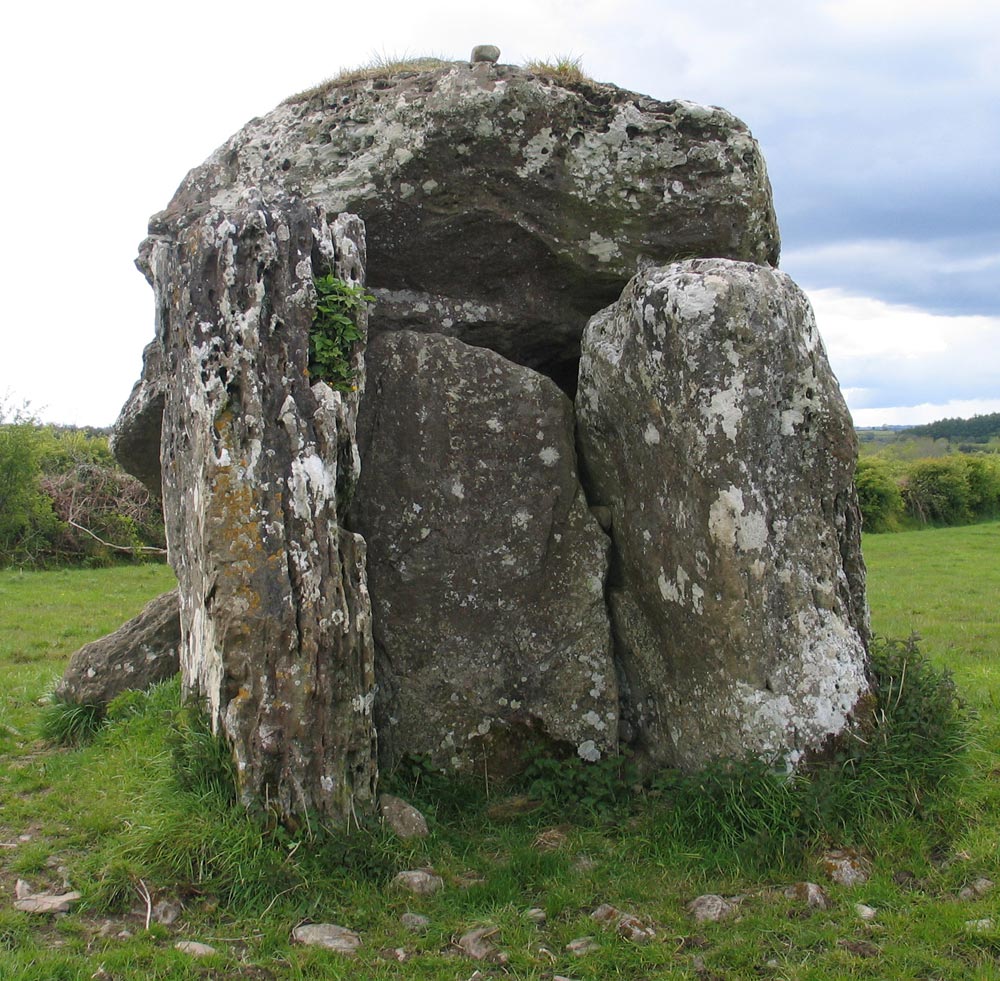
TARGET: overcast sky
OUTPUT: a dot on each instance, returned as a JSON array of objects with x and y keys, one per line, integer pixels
[{"x": 879, "y": 121}]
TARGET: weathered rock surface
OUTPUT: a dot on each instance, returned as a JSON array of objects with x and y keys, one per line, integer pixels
[
  {"x": 329, "y": 936},
  {"x": 402, "y": 818},
  {"x": 420, "y": 882},
  {"x": 501, "y": 206},
  {"x": 139, "y": 654},
  {"x": 485, "y": 565},
  {"x": 711, "y": 425},
  {"x": 46, "y": 902},
  {"x": 504, "y": 210},
  {"x": 259, "y": 466}
]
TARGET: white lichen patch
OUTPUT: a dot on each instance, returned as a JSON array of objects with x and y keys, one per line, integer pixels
[
  {"x": 603, "y": 249},
  {"x": 724, "y": 409},
  {"x": 730, "y": 524},
  {"x": 549, "y": 456},
  {"x": 587, "y": 750}
]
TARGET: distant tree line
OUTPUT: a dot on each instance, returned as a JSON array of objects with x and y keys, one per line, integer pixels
[
  {"x": 949, "y": 490},
  {"x": 65, "y": 501},
  {"x": 978, "y": 429}
]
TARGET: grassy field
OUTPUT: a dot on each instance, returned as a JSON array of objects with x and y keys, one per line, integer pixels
[{"x": 111, "y": 820}]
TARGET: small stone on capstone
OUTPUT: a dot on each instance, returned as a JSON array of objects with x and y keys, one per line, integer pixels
[{"x": 485, "y": 52}]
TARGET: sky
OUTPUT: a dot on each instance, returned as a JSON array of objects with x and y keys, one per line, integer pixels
[{"x": 879, "y": 121}]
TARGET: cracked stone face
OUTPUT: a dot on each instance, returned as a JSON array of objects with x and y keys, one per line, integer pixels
[
  {"x": 712, "y": 427},
  {"x": 485, "y": 566}
]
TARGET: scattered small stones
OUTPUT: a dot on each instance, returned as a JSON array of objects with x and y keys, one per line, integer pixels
[
  {"x": 582, "y": 946},
  {"x": 808, "y": 893},
  {"x": 606, "y": 913},
  {"x": 537, "y": 915},
  {"x": 195, "y": 949},
  {"x": 398, "y": 954},
  {"x": 415, "y": 922},
  {"x": 421, "y": 882},
  {"x": 985, "y": 925},
  {"x": 866, "y": 913},
  {"x": 402, "y": 818},
  {"x": 327, "y": 935},
  {"x": 846, "y": 867},
  {"x": 167, "y": 912},
  {"x": 711, "y": 908},
  {"x": 633, "y": 929},
  {"x": 977, "y": 890},
  {"x": 629, "y": 927},
  {"x": 478, "y": 944},
  {"x": 21, "y": 889}
]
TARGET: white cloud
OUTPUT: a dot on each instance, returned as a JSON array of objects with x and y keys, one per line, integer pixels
[
  {"x": 918, "y": 415},
  {"x": 849, "y": 98},
  {"x": 900, "y": 364}
]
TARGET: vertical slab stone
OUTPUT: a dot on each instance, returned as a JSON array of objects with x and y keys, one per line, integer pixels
[
  {"x": 486, "y": 567},
  {"x": 711, "y": 425},
  {"x": 258, "y": 469}
]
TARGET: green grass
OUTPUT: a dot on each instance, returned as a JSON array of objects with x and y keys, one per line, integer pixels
[{"x": 130, "y": 813}]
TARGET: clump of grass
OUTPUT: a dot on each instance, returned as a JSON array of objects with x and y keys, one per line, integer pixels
[
  {"x": 380, "y": 65},
  {"x": 562, "y": 68},
  {"x": 904, "y": 767},
  {"x": 202, "y": 762},
  {"x": 68, "y": 723}
]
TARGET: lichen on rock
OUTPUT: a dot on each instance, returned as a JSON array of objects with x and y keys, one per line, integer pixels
[
  {"x": 258, "y": 467},
  {"x": 421, "y": 556},
  {"x": 712, "y": 427}
]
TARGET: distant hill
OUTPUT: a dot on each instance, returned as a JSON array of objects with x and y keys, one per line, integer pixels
[{"x": 978, "y": 429}]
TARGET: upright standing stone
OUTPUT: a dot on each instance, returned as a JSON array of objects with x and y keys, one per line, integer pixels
[
  {"x": 258, "y": 468},
  {"x": 712, "y": 426},
  {"x": 486, "y": 567}
]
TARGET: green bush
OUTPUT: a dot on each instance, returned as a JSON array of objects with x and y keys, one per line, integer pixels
[
  {"x": 64, "y": 500},
  {"x": 983, "y": 476},
  {"x": 937, "y": 492},
  {"x": 27, "y": 520},
  {"x": 953, "y": 490},
  {"x": 879, "y": 495}
]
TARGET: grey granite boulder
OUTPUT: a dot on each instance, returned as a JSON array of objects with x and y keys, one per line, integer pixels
[
  {"x": 712, "y": 427},
  {"x": 485, "y": 566},
  {"x": 139, "y": 654}
]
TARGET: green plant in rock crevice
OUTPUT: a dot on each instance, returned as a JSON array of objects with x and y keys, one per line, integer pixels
[{"x": 334, "y": 330}]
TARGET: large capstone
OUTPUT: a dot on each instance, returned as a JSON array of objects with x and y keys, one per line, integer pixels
[
  {"x": 485, "y": 565},
  {"x": 501, "y": 206},
  {"x": 712, "y": 427},
  {"x": 259, "y": 463}
]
